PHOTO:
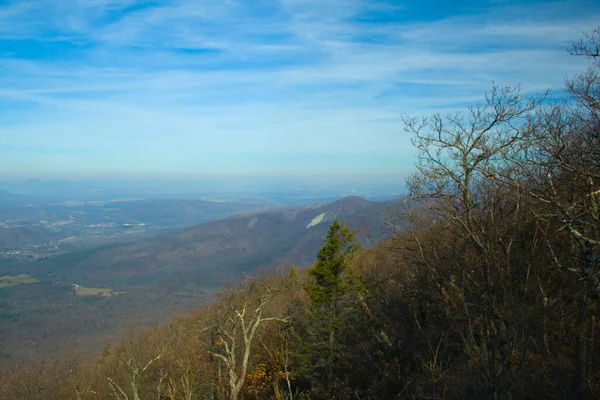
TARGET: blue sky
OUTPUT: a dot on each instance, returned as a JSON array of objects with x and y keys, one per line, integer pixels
[{"x": 292, "y": 88}]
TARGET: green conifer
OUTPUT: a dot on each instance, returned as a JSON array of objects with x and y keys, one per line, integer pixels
[{"x": 331, "y": 271}]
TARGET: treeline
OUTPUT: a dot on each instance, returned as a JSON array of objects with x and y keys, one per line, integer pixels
[{"x": 491, "y": 291}]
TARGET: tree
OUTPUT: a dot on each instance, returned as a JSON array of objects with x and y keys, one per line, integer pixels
[
  {"x": 562, "y": 158},
  {"x": 136, "y": 369},
  {"x": 333, "y": 281},
  {"x": 238, "y": 327},
  {"x": 136, "y": 358},
  {"x": 331, "y": 271},
  {"x": 461, "y": 159},
  {"x": 514, "y": 182}
]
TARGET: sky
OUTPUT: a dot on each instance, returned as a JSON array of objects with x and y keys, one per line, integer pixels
[{"x": 130, "y": 89}]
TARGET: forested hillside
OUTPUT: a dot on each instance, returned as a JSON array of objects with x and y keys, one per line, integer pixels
[
  {"x": 218, "y": 251},
  {"x": 174, "y": 272},
  {"x": 492, "y": 291}
]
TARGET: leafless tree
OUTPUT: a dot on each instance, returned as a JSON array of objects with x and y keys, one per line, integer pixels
[
  {"x": 462, "y": 167},
  {"x": 135, "y": 368},
  {"x": 238, "y": 327},
  {"x": 562, "y": 158}
]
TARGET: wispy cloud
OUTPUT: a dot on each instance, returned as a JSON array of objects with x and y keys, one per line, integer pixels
[{"x": 267, "y": 87}]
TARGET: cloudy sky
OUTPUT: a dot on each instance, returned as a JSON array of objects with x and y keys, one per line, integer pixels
[{"x": 195, "y": 88}]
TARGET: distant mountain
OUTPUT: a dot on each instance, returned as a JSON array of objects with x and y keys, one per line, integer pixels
[
  {"x": 97, "y": 221},
  {"x": 185, "y": 212},
  {"x": 8, "y": 199},
  {"x": 18, "y": 237},
  {"x": 212, "y": 253}
]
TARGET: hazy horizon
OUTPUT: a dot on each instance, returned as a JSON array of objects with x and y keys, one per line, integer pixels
[{"x": 281, "y": 191}]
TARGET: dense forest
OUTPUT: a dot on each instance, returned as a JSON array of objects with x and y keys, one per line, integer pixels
[{"x": 491, "y": 291}]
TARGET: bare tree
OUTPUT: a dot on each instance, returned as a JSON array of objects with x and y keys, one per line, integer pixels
[
  {"x": 562, "y": 158},
  {"x": 237, "y": 329},
  {"x": 462, "y": 172},
  {"x": 488, "y": 175},
  {"x": 135, "y": 369},
  {"x": 132, "y": 361},
  {"x": 186, "y": 363}
]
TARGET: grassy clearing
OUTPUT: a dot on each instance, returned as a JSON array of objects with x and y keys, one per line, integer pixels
[
  {"x": 85, "y": 291},
  {"x": 23, "y": 279},
  {"x": 62, "y": 223}
]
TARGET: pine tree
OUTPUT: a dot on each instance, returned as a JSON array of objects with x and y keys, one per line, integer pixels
[
  {"x": 333, "y": 283},
  {"x": 331, "y": 271}
]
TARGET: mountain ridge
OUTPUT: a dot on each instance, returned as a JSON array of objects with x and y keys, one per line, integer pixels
[{"x": 218, "y": 251}]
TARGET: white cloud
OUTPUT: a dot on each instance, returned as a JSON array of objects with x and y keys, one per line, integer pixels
[{"x": 267, "y": 78}]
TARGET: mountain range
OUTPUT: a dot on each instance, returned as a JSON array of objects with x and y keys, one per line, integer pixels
[
  {"x": 158, "y": 276},
  {"x": 212, "y": 253}
]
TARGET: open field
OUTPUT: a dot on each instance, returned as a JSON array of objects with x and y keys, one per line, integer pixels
[
  {"x": 61, "y": 223},
  {"x": 85, "y": 291},
  {"x": 23, "y": 279}
]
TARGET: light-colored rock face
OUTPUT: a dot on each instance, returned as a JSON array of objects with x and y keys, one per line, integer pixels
[
  {"x": 314, "y": 205},
  {"x": 316, "y": 220},
  {"x": 252, "y": 222}
]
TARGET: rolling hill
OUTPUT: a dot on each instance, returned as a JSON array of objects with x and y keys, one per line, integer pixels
[
  {"x": 159, "y": 276},
  {"x": 17, "y": 237},
  {"x": 213, "y": 253}
]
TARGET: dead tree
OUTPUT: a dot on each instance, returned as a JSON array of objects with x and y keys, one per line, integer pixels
[
  {"x": 237, "y": 331},
  {"x": 135, "y": 368}
]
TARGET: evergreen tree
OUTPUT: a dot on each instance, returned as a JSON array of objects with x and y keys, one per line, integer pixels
[
  {"x": 333, "y": 282},
  {"x": 331, "y": 273}
]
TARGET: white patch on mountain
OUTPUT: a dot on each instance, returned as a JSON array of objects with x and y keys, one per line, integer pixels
[
  {"x": 252, "y": 222},
  {"x": 316, "y": 220}
]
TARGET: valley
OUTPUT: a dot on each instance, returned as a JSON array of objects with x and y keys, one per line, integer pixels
[
  {"x": 33, "y": 232},
  {"x": 97, "y": 278}
]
